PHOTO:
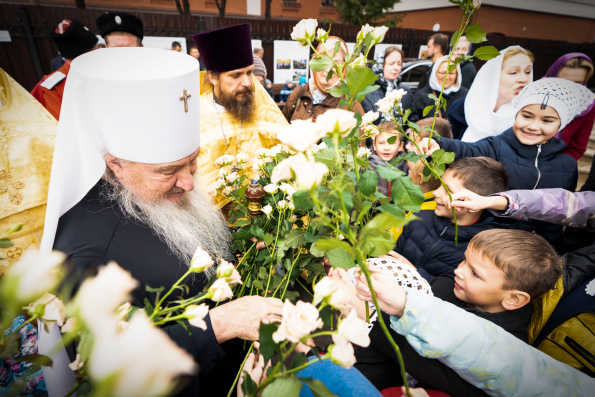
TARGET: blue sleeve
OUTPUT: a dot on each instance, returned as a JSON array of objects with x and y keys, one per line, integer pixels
[{"x": 483, "y": 147}]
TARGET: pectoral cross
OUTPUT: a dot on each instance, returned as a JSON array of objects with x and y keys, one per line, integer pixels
[
  {"x": 185, "y": 99},
  {"x": 7, "y": 184}
]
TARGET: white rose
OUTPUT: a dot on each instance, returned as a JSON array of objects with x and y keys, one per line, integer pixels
[
  {"x": 201, "y": 260},
  {"x": 385, "y": 105},
  {"x": 298, "y": 321},
  {"x": 363, "y": 152},
  {"x": 321, "y": 35},
  {"x": 301, "y": 134},
  {"x": 304, "y": 31},
  {"x": 267, "y": 209},
  {"x": 292, "y": 218},
  {"x": 123, "y": 311},
  {"x": 275, "y": 150},
  {"x": 287, "y": 189},
  {"x": 342, "y": 352},
  {"x": 282, "y": 170},
  {"x": 371, "y": 131},
  {"x": 361, "y": 35},
  {"x": 142, "y": 360},
  {"x": 226, "y": 191},
  {"x": 290, "y": 204},
  {"x": 360, "y": 62},
  {"x": 323, "y": 289},
  {"x": 99, "y": 297},
  {"x": 224, "y": 160},
  {"x": 271, "y": 188},
  {"x": 220, "y": 290},
  {"x": 268, "y": 159},
  {"x": 340, "y": 299},
  {"x": 396, "y": 95},
  {"x": 369, "y": 117},
  {"x": 322, "y": 145},
  {"x": 223, "y": 172},
  {"x": 282, "y": 204},
  {"x": 231, "y": 178},
  {"x": 53, "y": 310},
  {"x": 378, "y": 34},
  {"x": 77, "y": 363},
  {"x": 258, "y": 164},
  {"x": 196, "y": 315},
  {"x": 228, "y": 272},
  {"x": 354, "y": 330},
  {"x": 311, "y": 174},
  {"x": 242, "y": 158},
  {"x": 337, "y": 121},
  {"x": 69, "y": 325},
  {"x": 261, "y": 153},
  {"x": 31, "y": 277}
]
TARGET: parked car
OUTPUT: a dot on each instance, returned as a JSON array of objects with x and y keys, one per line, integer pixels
[{"x": 413, "y": 71}]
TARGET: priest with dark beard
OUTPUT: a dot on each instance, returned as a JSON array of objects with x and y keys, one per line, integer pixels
[
  {"x": 237, "y": 114},
  {"x": 123, "y": 189}
]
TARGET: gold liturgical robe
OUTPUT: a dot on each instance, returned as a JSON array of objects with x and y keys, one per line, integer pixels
[
  {"x": 241, "y": 138},
  {"x": 27, "y": 136}
]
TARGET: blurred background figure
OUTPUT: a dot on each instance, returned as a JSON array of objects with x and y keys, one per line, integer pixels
[
  {"x": 176, "y": 46},
  {"x": 193, "y": 52},
  {"x": 120, "y": 29},
  {"x": 438, "y": 46},
  {"x": 72, "y": 39},
  {"x": 575, "y": 67},
  {"x": 259, "y": 52},
  {"x": 286, "y": 90},
  {"x": 468, "y": 70}
]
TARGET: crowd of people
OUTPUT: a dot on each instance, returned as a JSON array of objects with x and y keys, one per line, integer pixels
[{"x": 135, "y": 152}]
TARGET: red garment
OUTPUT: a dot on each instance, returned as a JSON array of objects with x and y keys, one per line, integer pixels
[
  {"x": 51, "y": 99},
  {"x": 577, "y": 133},
  {"x": 396, "y": 392}
]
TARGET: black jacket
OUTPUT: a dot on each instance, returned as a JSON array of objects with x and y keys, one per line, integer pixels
[
  {"x": 429, "y": 243},
  {"x": 529, "y": 167},
  {"x": 421, "y": 100},
  {"x": 369, "y": 102},
  {"x": 468, "y": 72}
]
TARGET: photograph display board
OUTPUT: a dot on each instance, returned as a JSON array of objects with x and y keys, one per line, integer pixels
[
  {"x": 423, "y": 51},
  {"x": 256, "y": 43},
  {"x": 290, "y": 61}
]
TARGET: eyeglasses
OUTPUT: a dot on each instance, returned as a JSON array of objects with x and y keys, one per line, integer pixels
[{"x": 453, "y": 73}]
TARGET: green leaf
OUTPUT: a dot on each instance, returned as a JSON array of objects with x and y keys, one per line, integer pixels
[
  {"x": 486, "y": 53},
  {"x": 453, "y": 39},
  {"x": 409, "y": 156},
  {"x": 311, "y": 237},
  {"x": 326, "y": 156},
  {"x": 318, "y": 388},
  {"x": 406, "y": 194},
  {"x": 389, "y": 172},
  {"x": 263, "y": 273},
  {"x": 475, "y": 34},
  {"x": 249, "y": 387},
  {"x": 377, "y": 242},
  {"x": 258, "y": 285},
  {"x": 440, "y": 158},
  {"x": 267, "y": 344},
  {"x": 338, "y": 257},
  {"x": 368, "y": 182},
  {"x": 327, "y": 244},
  {"x": 286, "y": 387},
  {"x": 257, "y": 232},
  {"x": 295, "y": 238},
  {"x": 302, "y": 201},
  {"x": 11, "y": 347},
  {"x": 359, "y": 79},
  {"x": 156, "y": 290},
  {"x": 5, "y": 243},
  {"x": 299, "y": 359},
  {"x": 427, "y": 110},
  {"x": 338, "y": 91},
  {"x": 268, "y": 239},
  {"x": 321, "y": 64},
  {"x": 38, "y": 359},
  {"x": 347, "y": 199},
  {"x": 392, "y": 209},
  {"x": 392, "y": 139},
  {"x": 14, "y": 228},
  {"x": 382, "y": 221},
  {"x": 366, "y": 91}
]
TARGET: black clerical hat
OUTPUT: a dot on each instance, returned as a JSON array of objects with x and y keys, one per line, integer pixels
[
  {"x": 225, "y": 49},
  {"x": 73, "y": 38},
  {"x": 120, "y": 22}
]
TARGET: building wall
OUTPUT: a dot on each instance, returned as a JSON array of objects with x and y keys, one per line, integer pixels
[{"x": 512, "y": 23}]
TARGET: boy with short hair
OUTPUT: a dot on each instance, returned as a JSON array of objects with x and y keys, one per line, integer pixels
[
  {"x": 429, "y": 244},
  {"x": 503, "y": 271},
  {"x": 383, "y": 152}
]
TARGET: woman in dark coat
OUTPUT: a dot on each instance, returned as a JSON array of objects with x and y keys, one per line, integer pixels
[
  {"x": 453, "y": 90},
  {"x": 388, "y": 70}
]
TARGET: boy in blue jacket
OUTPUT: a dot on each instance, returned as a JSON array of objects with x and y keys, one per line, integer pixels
[
  {"x": 429, "y": 243},
  {"x": 530, "y": 150}
]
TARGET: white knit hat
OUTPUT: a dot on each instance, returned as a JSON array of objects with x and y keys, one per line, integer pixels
[{"x": 569, "y": 99}]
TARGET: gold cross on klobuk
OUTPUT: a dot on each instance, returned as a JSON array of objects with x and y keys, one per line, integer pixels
[{"x": 185, "y": 98}]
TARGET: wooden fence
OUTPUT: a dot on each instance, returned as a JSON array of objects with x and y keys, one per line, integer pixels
[{"x": 28, "y": 56}]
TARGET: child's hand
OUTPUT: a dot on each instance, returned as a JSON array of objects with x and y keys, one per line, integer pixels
[
  {"x": 391, "y": 297},
  {"x": 254, "y": 366},
  {"x": 340, "y": 275},
  {"x": 474, "y": 202},
  {"x": 428, "y": 146}
]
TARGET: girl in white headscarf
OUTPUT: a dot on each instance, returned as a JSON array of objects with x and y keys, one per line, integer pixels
[
  {"x": 453, "y": 90},
  {"x": 486, "y": 111}
]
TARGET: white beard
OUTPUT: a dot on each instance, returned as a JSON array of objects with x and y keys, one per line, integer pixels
[{"x": 183, "y": 226}]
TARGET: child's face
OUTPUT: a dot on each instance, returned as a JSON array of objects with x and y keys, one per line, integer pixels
[
  {"x": 533, "y": 125},
  {"x": 387, "y": 151},
  {"x": 441, "y": 196},
  {"x": 479, "y": 282}
]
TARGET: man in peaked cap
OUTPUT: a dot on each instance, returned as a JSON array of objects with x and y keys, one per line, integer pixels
[
  {"x": 237, "y": 114},
  {"x": 121, "y": 29},
  {"x": 122, "y": 189},
  {"x": 72, "y": 39}
]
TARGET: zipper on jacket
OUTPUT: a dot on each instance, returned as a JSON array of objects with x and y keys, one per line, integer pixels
[{"x": 537, "y": 166}]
